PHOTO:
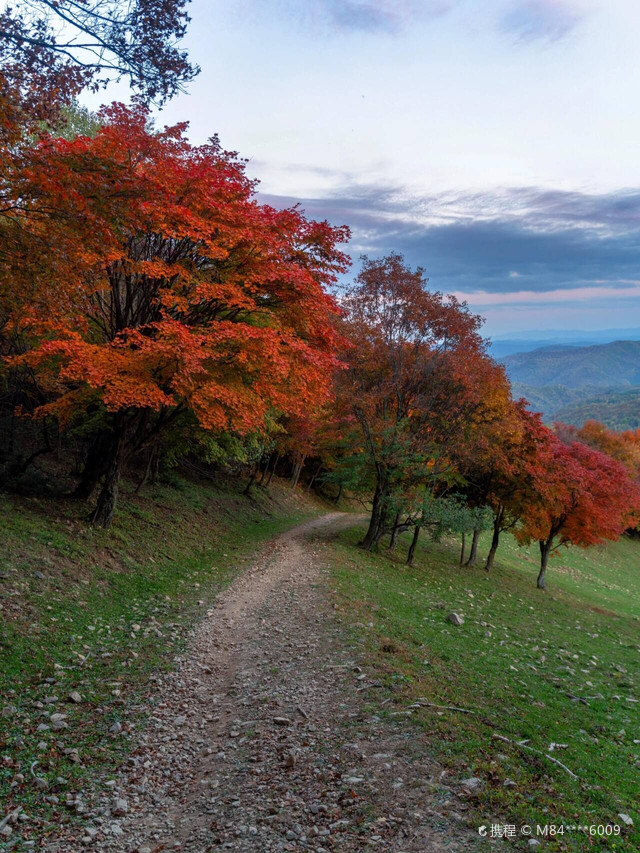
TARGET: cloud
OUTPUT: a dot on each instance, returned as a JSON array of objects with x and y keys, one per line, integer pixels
[
  {"x": 549, "y": 20},
  {"x": 572, "y": 295},
  {"x": 571, "y": 243},
  {"x": 386, "y": 16},
  {"x": 363, "y": 16}
]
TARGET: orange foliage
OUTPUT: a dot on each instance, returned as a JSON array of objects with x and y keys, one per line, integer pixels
[
  {"x": 580, "y": 497},
  {"x": 156, "y": 281}
]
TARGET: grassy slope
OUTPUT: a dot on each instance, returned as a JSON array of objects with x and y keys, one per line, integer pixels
[
  {"x": 98, "y": 611},
  {"x": 514, "y": 661}
]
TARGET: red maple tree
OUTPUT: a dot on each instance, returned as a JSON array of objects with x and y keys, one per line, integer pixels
[
  {"x": 580, "y": 496},
  {"x": 418, "y": 383},
  {"x": 159, "y": 286}
]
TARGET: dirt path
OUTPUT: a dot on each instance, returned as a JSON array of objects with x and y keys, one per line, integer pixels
[{"x": 260, "y": 741}]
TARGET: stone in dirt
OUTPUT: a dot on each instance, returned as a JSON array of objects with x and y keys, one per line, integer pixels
[
  {"x": 455, "y": 619},
  {"x": 473, "y": 785},
  {"x": 119, "y": 807}
]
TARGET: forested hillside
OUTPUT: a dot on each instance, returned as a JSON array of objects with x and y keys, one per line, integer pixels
[
  {"x": 577, "y": 384},
  {"x": 550, "y": 399},
  {"x": 618, "y": 410},
  {"x": 604, "y": 366}
]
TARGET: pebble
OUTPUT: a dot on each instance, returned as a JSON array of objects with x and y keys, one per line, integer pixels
[
  {"x": 473, "y": 785},
  {"x": 119, "y": 807}
]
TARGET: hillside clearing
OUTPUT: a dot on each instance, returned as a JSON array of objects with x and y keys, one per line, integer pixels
[{"x": 559, "y": 670}]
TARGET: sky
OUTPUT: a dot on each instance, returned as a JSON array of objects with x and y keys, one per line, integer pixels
[{"x": 493, "y": 142}]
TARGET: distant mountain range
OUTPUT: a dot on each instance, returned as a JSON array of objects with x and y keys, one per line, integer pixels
[
  {"x": 516, "y": 342},
  {"x": 573, "y": 383},
  {"x": 603, "y": 366}
]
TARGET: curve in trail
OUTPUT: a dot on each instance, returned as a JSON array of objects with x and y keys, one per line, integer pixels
[{"x": 264, "y": 739}]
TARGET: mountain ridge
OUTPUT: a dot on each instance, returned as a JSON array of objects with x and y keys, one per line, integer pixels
[
  {"x": 617, "y": 410},
  {"x": 599, "y": 366}
]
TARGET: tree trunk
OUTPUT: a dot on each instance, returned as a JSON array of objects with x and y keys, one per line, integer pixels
[
  {"x": 102, "y": 515},
  {"x": 96, "y": 464},
  {"x": 252, "y": 478},
  {"x": 336, "y": 500},
  {"x": 495, "y": 540},
  {"x": 265, "y": 469},
  {"x": 374, "y": 522},
  {"x": 473, "y": 553},
  {"x": 545, "y": 550},
  {"x": 394, "y": 532},
  {"x": 382, "y": 529},
  {"x": 413, "y": 546},
  {"x": 271, "y": 473},
  {"x": 11, "y": 442},
  {"x": 147, "y": 471},
  {"x": 462, "y": 549},
  {"x": 313, "y": 479},
  {"x": 296, "y": 472},
  {"x": 155, "y": 469},
  {"x": 19, "y": 466}
]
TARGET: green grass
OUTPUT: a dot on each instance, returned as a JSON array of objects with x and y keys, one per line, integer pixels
[
  {"x": 99, "y": 612},
  {"x": 517, "y": 661}
]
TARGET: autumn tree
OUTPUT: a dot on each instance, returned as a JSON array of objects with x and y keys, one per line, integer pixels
[
  {"x": 499, "y": 468},
  {"x": 623, "y": 446},
  {"x": 163, "y": 289},
  {"x": 50, "y": 50},
  {"x": 417, "y": 377},
  {"x": 584, "y": 497},
  {"x": 293, "y": 438},
  {"x": 488, "y": 445}
]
